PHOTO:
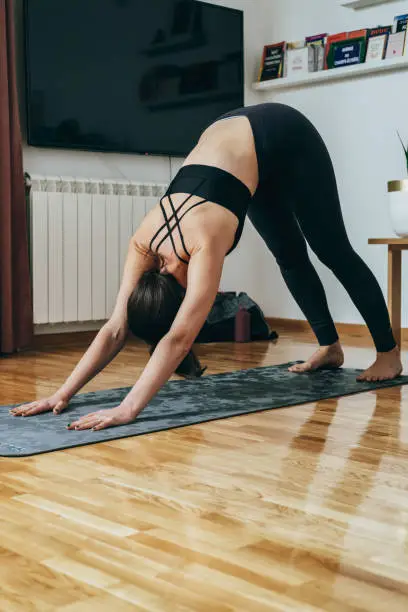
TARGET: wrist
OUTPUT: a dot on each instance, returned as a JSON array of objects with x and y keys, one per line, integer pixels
[{"x": 131, "y": 407}]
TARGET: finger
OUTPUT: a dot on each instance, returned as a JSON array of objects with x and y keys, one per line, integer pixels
[
  {"x": 59, "y": 407},
  {"x": 87, "y": 424},
  {"x": 83, "y": 419},
  {"x": 74, "y": 424},
  {"x": 17, "y": 411},
  {"x": 32, "y": 412},
  {"x": 80, "y": 421},
  {"x": 20, "y": 409},
  {"x": 29, "y": 412},
  {"x": 103, "y": 425},
  {"x": 91, "y": 415},
  {"x": 37, "y": 409}
]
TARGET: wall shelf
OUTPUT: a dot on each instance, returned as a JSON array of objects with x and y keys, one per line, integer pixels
[
  {"x": 335, "y": 74},
  {"x": 361, "y": 4}
]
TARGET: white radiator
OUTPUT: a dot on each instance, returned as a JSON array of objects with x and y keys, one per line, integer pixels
[{"x": 80, "y": 231}]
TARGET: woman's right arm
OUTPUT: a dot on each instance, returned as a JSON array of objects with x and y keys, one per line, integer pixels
[{"x": 105, "y": 346}]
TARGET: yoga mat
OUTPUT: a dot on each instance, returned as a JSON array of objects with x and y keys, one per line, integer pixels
[{"x": 180, "y": 403}]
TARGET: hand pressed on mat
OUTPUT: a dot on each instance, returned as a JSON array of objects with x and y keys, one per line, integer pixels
[
  {"x": 102, "y": 419},
  {"x": 56, "y": 403}
]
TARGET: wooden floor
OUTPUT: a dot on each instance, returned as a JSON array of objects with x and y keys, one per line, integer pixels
[{"x": 303, "y": 508}]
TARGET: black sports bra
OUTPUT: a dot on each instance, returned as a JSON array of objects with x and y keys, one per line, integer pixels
[{"x": 212, "y": 185}]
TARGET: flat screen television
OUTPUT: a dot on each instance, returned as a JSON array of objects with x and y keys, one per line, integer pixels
[{"x": 131, "y": 76}]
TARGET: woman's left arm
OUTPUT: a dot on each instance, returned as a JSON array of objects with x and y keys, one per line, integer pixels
[{"x": 204, "y": 275}]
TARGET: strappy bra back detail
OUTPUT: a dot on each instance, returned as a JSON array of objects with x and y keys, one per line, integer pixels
[
  {"x": 212, "y": 185},
  {"x": 170, "y": 228}
]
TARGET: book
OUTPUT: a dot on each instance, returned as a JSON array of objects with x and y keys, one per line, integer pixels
[
  {"x": 317, "y": 43},
  {"x": 334, "y": 39},
  {"x": 376, "y": 47},
  {"x": 400, "y": 23},
  {"x": 331, "y": 39},
  {"x": 395, "y": 46},
  {"x": 298, "y": 59},
  {"x": 377, "y": 42},
  {"x": 347, "y": 53},
  {"x": 272, "y": 64},
  {"x": 379, "y": 31},
  {"x": 336, "y": 49}
]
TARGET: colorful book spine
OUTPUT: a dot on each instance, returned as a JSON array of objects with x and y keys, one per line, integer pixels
[{"x": 318, "y": 44}]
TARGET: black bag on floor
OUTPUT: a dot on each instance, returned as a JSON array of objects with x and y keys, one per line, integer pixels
[{"x": 220, "y": 324}]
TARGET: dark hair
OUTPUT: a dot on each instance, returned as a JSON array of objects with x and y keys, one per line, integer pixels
[{"x": 151, "y": 310}]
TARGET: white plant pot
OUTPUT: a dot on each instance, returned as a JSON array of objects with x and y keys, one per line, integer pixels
[{"x": 398, "y": 206}]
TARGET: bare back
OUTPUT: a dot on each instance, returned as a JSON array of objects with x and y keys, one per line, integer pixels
[{"x": 228, "y": 145}]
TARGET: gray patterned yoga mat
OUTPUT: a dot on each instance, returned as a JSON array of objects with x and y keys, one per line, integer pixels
[{"x": 180, "y": 403}]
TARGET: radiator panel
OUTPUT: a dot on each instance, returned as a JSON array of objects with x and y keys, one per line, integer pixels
[{"x": 80, "y": 233}]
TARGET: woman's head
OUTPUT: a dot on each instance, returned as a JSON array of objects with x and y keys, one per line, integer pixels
[
  {"x": 153, "y": 306},
  {"x": 151, "y": 310}
]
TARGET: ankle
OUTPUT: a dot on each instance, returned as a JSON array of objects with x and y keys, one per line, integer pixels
[
  {"x": 394, "y": 351},
  {"x": 335, "y": 346}
]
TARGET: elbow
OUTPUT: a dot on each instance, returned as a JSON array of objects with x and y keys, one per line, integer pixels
[
  {"x": 181, "y": 343},
  {"x": 116, "y": 332}
]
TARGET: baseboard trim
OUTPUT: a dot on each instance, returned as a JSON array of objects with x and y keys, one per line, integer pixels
[
  {"x": 62, "y": 339},
  {"x": 298, "y": 325},
  {"x": 50, "y": 329}
]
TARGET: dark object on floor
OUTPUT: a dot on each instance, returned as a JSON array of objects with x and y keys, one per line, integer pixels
[
  {"x": 181, "y": 403},
  {"x": 242, "y": 325},
  {"x": 220, "y": 324}
]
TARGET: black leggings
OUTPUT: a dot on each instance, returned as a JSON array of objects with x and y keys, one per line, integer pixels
[{"x": 297, "y": 201}]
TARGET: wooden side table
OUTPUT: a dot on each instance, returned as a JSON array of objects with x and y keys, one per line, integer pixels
[{"x": 395, "y": 248}]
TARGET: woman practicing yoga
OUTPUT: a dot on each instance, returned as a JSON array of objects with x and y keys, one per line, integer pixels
[{"x": 267, "y": 162}]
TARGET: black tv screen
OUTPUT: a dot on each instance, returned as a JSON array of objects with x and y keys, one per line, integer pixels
[{"x": 140, "y": 76}]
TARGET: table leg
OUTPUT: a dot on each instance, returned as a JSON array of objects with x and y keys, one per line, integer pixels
[{"x": 394, "y": 291}]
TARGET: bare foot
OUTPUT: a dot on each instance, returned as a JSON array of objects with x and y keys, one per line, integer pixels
[
  {"x": 387, "y": 366},
  {"x": 325, "y": 358}
]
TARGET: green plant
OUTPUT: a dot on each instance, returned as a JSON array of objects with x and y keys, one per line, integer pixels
[{"x": 405, "y": 147}]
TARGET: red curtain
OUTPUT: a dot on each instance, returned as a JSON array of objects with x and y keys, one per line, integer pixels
[{"x": 16, "y": 318}]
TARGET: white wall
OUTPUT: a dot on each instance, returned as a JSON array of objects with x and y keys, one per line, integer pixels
[{"x": 358, "y": 120}]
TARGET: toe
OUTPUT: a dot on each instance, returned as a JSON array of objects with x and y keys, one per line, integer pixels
[
  {"x": 364, "y": 377},
  {"x": 302, "y": 368}
]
